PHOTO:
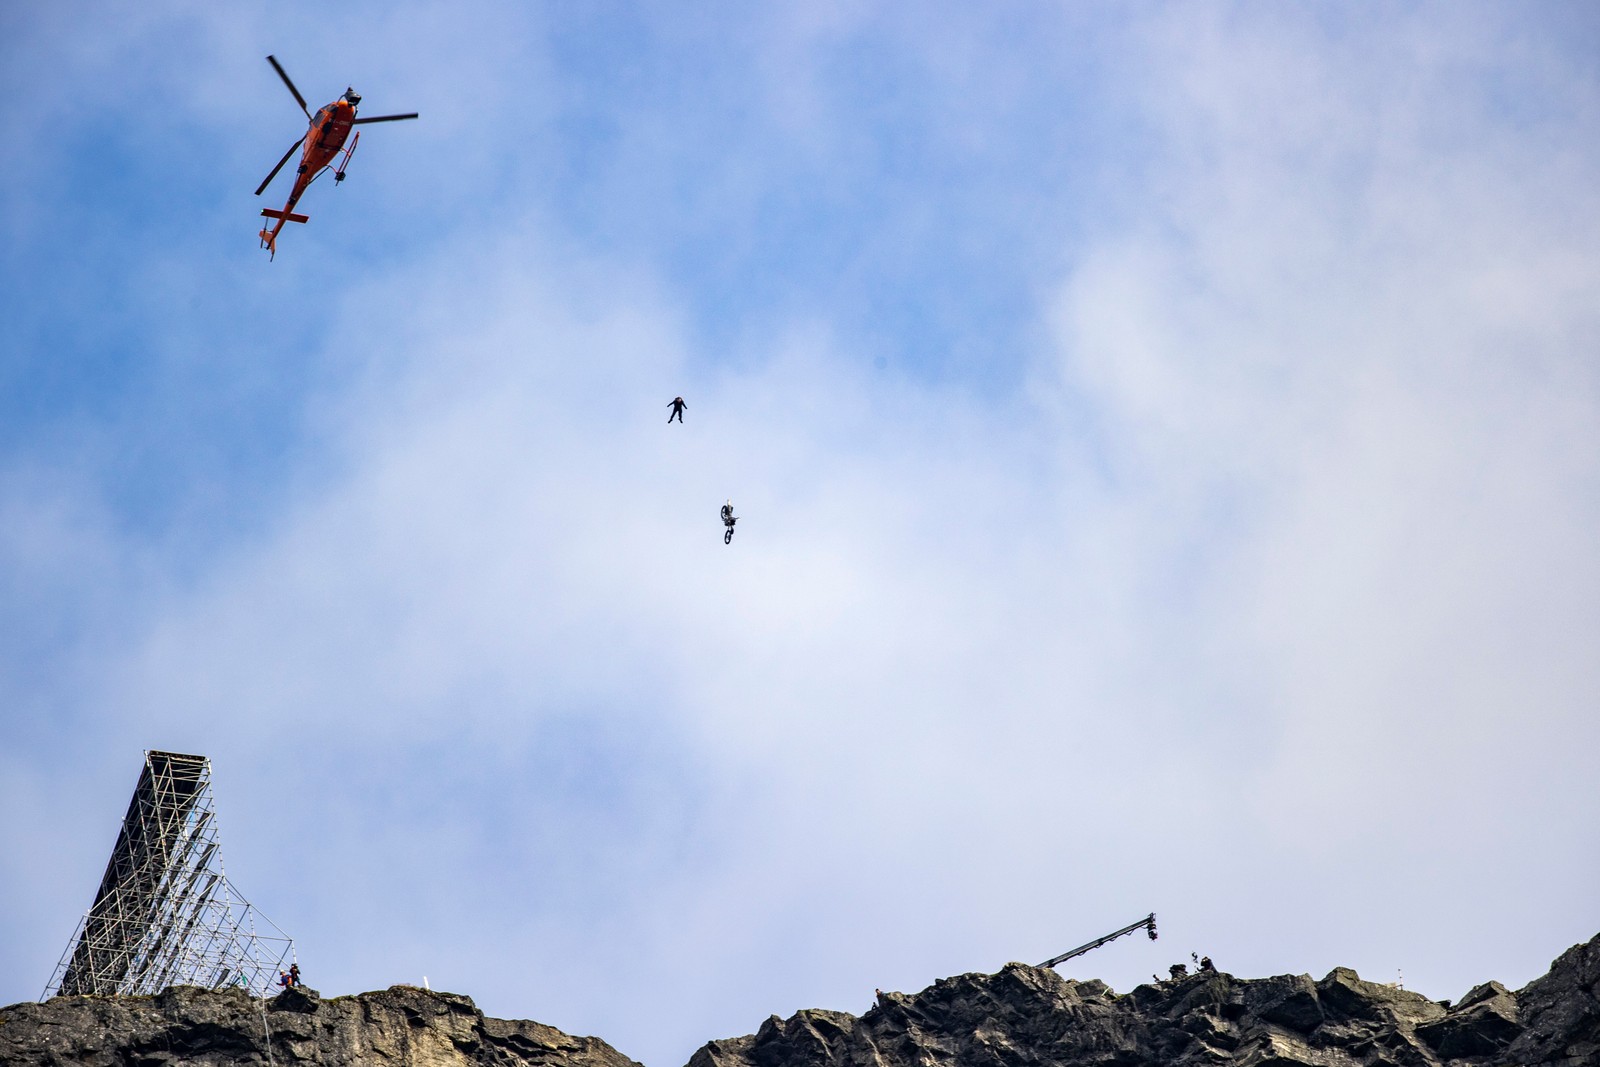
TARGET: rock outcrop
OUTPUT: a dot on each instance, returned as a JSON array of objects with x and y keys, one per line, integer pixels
[
  {"x": 1025, "y": 1017},
  {"x": 1560, "y": 1013},
  {"x": 1019, "y": 1017},
  {"x": 403, "y": 1026}
]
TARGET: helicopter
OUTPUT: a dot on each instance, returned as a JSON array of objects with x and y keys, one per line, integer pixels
[{"x": 323, "y": 141}]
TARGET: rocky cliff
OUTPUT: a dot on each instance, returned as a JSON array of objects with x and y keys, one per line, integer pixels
[
  {"x": 1027, "y": 1016},
  {"x": 1020, "y": 1016},
  {"x": 184, "y": 1026}
]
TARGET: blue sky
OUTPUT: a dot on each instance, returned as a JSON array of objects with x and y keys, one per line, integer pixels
[{"x": 1167, "y": 439}]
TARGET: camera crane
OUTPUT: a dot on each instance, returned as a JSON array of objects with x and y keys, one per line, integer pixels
[{"x": 1147, "y": 921}]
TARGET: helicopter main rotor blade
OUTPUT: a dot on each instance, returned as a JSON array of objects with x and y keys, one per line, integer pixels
[
  {"x": 384, "y": 118},
  {"x": 281, "y": 162},
  {"x": 297, "y": 97}
]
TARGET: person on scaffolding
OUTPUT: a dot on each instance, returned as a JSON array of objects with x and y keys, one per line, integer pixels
[{"x": 728, "y": 520}]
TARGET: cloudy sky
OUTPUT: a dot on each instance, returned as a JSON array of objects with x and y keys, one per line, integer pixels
[{"x": 1166, "y": 440}]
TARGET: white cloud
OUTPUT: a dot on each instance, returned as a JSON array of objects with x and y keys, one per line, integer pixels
[
  {"x": 1275, "y": 606},
  {"x": 1354, "y": 327}
]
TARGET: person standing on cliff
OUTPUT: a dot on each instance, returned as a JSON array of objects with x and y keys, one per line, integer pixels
[
  {"x": 294, "y": 974},
  {"x": 677, "y": 410}
]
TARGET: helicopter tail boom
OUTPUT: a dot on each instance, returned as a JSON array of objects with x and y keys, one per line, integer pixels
[{"x": 285, "y": 216}]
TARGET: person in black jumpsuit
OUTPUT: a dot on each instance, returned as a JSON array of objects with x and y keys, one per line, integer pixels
[{"x": 677, "y": 406}]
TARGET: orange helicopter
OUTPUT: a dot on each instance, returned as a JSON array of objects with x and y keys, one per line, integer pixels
[{"x": 323, "y": 141}]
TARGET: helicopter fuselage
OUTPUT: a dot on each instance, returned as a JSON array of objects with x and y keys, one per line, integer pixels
[{"x": 330, "y": 128}]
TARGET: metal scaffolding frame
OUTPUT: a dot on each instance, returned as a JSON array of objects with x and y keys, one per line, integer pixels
[{"x": 166, "y": 913}]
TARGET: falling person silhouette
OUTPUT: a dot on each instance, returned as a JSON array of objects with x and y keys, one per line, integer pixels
[
  {"x": 728, "y": 520},
  {"x": 677, "y": 410}
]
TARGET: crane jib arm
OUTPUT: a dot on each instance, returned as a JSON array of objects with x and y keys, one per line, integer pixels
[{"x": 1147, "y": 921}]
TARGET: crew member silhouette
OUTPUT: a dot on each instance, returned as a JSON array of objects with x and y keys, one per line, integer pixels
[
  {"x": 728, "y": 520},
  {"x": 677, "y": 410}
]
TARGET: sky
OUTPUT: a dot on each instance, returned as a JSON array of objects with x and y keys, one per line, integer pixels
[{"x": 1166, "y": 441}]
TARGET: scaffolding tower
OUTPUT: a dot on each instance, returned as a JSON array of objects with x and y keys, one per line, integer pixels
[{"x": 166, "y": 913}]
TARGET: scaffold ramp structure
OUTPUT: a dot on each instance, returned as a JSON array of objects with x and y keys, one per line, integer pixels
[{"x": 165, "y": 913}]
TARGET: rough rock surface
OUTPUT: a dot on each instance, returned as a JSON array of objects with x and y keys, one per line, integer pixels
[
  {"x": 1020, "y": 1017},
  {"x": 402, "y": 1026},
  {"x": 1024, "y": 1016},
  {"x": 1561, "y": 1012}
]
